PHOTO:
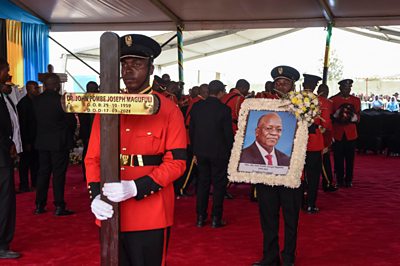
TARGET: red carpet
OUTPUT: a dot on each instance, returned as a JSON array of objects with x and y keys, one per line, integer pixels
[{"x": 357, "y": 226}]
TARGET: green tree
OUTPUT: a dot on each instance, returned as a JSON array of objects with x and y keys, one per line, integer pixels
[{"x": 335, "y": 68}]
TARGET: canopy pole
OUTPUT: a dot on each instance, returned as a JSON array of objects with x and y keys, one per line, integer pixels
[
  {"x": 179, "y": 34},
  {"x": 327, "y": 49}
]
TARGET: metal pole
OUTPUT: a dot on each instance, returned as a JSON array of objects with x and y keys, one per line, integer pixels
[
  {"x": 180, "y": 51},
  {"x": 86, "y": 64},
  {"x": 168, "y": 41},
  {"x": 327, "y": 48}
]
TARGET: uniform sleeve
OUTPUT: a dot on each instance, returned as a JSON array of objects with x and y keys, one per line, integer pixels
[
  {"x": 174, "y": 159},
  {"x": 92, "y": 159},
  {"x": 357, "y": 107},
  {"x": 326, "y": 110}
]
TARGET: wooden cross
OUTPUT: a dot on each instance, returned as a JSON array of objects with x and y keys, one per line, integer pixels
[
  {"x": 109, "y": 103},
  {"x": 109, "y": 141}
]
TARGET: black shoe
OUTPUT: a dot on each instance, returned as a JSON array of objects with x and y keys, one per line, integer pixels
[
  {"x": 8, "y": 254},
  {"x": 349, "y": 184},
  {"x": 39, "y": 209},
  {"x": 217, "y": 222},
  {"x": 201, "y": 220},
  {"x": 330, "y": 188},
  {"x": 62, "y": 211},
  {"x": 228, "y": 195},
  {"x": 312, "y": 210}
]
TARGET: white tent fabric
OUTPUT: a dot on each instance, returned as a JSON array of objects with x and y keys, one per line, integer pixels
[{"x": 78, "y": 15}]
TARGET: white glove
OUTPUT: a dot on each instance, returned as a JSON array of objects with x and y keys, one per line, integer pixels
[
  {"x": 120, "y": 191},
  {"x": 354, "y": 118},
  {"x": 101, "y": 209}
]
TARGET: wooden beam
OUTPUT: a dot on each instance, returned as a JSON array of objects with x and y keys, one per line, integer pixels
[{"x": 109, "y": 141}]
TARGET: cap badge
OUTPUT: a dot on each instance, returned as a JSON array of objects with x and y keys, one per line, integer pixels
[
  {"x": 280, "y": 70},
  {"x": 128, "y": 40}
]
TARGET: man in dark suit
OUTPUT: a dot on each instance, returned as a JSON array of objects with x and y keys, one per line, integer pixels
[
  {"x": 263, "y": 151},
  {"x": 7, "y": 190},
  {"x": 54, "y": 139},
  {"x": 85, "y": 125},
  {"x": 211, "y": 136},
  {"x": 27, "y": 123}
]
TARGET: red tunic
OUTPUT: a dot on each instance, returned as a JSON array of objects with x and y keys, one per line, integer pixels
[
  {"x": 187, "y": 116},
  {"x": 316, "y": 140},
  {"x": 162, "y": 133},
  {"x": 234, "y": 100},
  {"x": 170, "y": 96},
  {"x": 350, "y": 129},
  {"x": 184, "y": 101},
  {"x": 265, "y": 94},
  {"x": 327, "y": 105}
]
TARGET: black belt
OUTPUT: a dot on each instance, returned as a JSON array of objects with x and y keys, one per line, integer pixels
[{"x": 139, "y": 160}]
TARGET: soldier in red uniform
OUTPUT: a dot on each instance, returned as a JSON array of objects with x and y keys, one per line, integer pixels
[
  {"x": 327, "y": 176},
  {"x": 156, "y": 150},
  {"x": 269, "y": 90},
  {"x": 272, "y": 198},
  {"x": 234, "y": 100},
  {"x": 346, "y": 114},
  {"x": 312, "y": 167},
  {"x": 169, "y": 93}
]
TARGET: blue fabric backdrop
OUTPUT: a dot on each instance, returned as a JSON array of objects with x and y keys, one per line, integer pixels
[
  {"x": 9, "y": 10},
  {"x": 35, "y": 44}
]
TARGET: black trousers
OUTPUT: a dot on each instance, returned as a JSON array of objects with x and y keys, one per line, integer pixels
[
  {"x": 85, "y": 143},
  {"x": 29, "y": 162},
  {"x": 344, "y": 152},
  {"x": 183, "y": 183},
  {"x": 56, "y": 163},
  {"x": 270, "y": 200},
  {"x": 144, "y": 248},
  {"x": 7, "y": 206},
  {"x": 327, "y": 176},
  {"x": 215, "y": 171},
  {"x": 312, "y": 172}
]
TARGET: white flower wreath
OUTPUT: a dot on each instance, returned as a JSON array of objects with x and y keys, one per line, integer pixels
[{"x": 292, "y": 178}]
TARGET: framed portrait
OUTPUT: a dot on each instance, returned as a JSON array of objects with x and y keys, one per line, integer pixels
[{"x": 270, "y": 144}]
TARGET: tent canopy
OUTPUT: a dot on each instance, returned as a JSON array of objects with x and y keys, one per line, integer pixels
[{"x": 77, "y": 15}]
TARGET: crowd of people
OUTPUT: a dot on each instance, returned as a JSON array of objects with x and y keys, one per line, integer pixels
[
  {"x": 380, "y": 102},
  {"x": 183, "y": 149}
]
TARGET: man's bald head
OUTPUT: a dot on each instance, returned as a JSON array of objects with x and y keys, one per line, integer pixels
[
  {"x": 52, "y": 82},
  {"x": 269, "y": 130}
]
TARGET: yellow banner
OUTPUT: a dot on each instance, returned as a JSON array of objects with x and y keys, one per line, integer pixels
[{"x": 109, "y": 103}]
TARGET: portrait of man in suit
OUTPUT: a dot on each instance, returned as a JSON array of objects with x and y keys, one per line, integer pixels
[{"x": 263, "y": 150}]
